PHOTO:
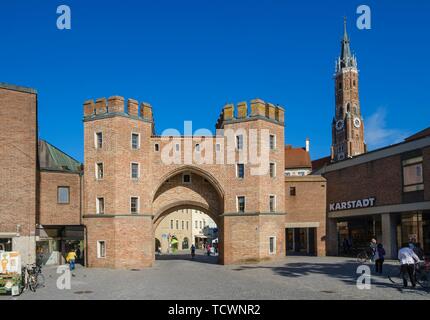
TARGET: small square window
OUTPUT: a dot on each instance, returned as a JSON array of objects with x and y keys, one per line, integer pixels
[
  {"x": 63, "y": 195},
  {"x": 292, "y": 191},
  {"x": 186, "y": 178}
]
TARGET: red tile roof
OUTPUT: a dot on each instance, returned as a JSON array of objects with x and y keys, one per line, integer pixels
[
  {"x": 321, "y": 162},
  {"x": 297, "y": 158}
]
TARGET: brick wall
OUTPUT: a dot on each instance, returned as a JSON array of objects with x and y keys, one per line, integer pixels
[
  {"x": 365, "y": 180},
  {"x": 18, "y": 150},
  {"x": 213, "y": 190},
  {"x": 50, "y": 211},
  {"x": 308, "y": 205}
]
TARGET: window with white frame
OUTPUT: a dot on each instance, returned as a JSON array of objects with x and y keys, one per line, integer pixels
[
  {"x": 100, "y": 205},
  {"x": 98, "y": 140},
  {"x": 135, "y": 170},
  {"x": 239, "y": 142},
  {"x": 272, "y": 142},
  {"x": 272, "y": 203},
  {"x": 241, "y": 203},
  {"x": 272, "y": 245},
  {"x": 99, "y": 171},
  {"x": 134, "y": 205},
  {"x": 272, "y": 169},
  {"x": 101, "y": 249},
  {"x": 135, "y": 141},
  {"x": 63, "y": 195},
  {"x": 240, "y": 170}
]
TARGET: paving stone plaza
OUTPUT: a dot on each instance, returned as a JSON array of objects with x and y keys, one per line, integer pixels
[{"x": 177, "y": 277}]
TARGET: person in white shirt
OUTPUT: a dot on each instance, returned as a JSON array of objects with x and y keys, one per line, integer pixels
[{"x": 408, "y": 258}]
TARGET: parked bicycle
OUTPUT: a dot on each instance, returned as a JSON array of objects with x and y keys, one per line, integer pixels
[{"x": 32, "y": 277}]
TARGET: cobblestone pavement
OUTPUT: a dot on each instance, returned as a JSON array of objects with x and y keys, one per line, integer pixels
[{"x": 178, "y": 277}]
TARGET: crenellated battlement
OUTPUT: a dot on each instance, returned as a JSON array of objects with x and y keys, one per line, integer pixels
[
  {"x": 259, "y": 109},
  {"x": 116, "y": 105}
]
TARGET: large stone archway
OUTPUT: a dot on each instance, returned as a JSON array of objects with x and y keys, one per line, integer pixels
[{"x": 203, "y": 193}]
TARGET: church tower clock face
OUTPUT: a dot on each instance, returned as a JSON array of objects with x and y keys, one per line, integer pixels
[
  {"x": 357, "y": 122},
  {"x": 339, "y": 125}
]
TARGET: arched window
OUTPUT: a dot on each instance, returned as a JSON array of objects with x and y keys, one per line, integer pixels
[
  {"x": 348, "y": 107},
  {"x": 355, "y": 109}
]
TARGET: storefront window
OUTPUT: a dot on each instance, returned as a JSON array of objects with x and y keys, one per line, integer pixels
[
  {"x": 6, "y": 244},
  {"x": 355, "y": 234},
  {"x": 411, "y": 229}
]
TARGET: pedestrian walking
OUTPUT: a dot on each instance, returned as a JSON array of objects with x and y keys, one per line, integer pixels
[
  {"x": 193, "y": 251},
  {"x": 379, "y": 258},
  {"x": 408, "y": 258},
  {"x": 71, "y": 259}
]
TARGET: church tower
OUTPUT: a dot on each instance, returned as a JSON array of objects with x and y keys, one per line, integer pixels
[{"x": 347, "y": 126}]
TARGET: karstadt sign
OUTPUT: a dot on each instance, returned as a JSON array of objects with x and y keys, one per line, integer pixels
[{"x": 354, "y": 204}]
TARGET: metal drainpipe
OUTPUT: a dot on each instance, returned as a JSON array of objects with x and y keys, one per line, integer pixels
[{"x": 81, "y": 191}]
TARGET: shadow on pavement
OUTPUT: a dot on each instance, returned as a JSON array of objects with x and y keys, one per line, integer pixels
[
  {"x": 344, "y": 271},
  {"x": 199, "y": 257}
]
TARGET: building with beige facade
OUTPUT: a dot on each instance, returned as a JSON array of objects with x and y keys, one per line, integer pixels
[{"x": 181, "y": 229}]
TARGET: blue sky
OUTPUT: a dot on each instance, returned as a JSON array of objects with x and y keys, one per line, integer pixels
[{"x": 188, "y": 58}]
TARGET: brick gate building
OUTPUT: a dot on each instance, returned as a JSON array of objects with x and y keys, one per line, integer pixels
[{"x": 129, "y": 188}]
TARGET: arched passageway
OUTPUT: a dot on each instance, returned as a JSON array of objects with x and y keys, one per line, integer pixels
[{"x": 183, "y": 198}]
